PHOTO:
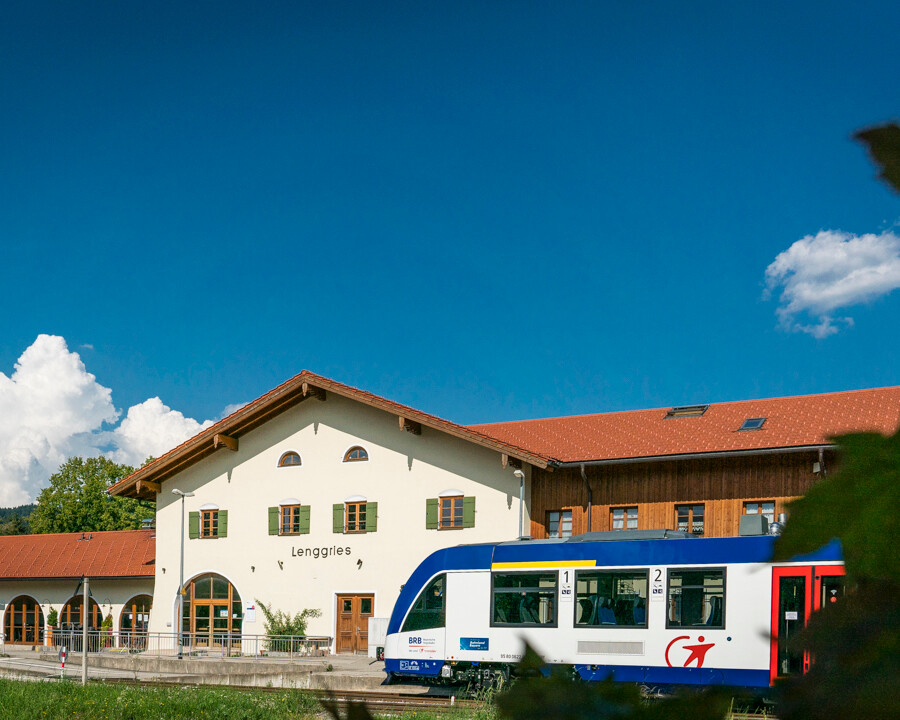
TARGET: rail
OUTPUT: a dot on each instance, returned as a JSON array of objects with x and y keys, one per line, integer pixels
[{"x": 210, "y": 644}]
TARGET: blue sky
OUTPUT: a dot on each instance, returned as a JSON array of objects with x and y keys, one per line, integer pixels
[{"x": 490, "y": 211}]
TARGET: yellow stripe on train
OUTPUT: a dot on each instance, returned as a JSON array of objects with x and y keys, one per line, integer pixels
[{"x": 543, "y": 564}]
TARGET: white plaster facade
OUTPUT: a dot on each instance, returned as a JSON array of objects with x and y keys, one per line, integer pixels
[{"x": 402, "y": 471}]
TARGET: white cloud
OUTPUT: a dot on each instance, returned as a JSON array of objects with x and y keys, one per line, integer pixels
[
  {"x": 151, "y": 428},
  {"x": 52, "y": 408},
  {"x": 829, "y": 271}
]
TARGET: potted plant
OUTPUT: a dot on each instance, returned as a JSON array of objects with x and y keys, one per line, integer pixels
[
  {"x": 52, "y": 622},
  {"x": 106, "y": 631}
]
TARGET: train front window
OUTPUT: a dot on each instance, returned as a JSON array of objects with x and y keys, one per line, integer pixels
[
  {"x": 524, "y": 599},
  {"x": 428, "y": 610},
  {"x": 696, "y": 598},
  {"x": 615, "y": 598}
]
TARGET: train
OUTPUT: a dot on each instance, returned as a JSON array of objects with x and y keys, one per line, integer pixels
[{"x": 658, "y": 608}]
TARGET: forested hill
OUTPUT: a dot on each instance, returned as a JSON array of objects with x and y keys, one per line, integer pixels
[{"x": 14, "y": 521}]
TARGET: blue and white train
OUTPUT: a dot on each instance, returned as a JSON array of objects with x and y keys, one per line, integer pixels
[{"x": 657, "y": 608}]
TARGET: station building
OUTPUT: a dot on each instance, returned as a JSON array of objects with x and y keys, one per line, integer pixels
[
  {"x": 43, "y": 573},
  {"x": 322, "y": 496}
]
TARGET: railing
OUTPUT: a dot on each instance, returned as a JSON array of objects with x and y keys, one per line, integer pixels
[{"x": 211, "y": 644}]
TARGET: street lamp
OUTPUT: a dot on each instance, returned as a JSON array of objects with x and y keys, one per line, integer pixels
[
  {"x": 183, "y": 495},
  {"x": 519, "y": 474}
]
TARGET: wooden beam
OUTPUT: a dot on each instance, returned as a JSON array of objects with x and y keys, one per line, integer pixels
[
  {"x": 313, "y": 391},
  {"x": 222, "y": 440},
  {"x": 411, "y": 426},
  {"x": 506, "y": 460},
  {"x": 149, "y": 486}
]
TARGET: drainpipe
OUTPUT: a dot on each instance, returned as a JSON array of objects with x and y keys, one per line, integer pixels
[
  {"x": 519, "y": 474},
  {"x": 590, "y": 494}
]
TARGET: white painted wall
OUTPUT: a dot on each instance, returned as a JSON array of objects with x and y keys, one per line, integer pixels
[{"x": 402, "y": 471}]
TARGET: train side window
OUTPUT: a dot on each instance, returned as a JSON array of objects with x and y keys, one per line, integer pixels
[
  {"x": 696, "y": 598},
  {"x": 524, "y": 599},
  {"x": 428, "y": 609},
  {"x": 613, "y": 598}
]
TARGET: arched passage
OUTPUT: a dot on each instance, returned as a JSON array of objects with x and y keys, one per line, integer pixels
[
  {"x": 71, "y": 618},
  {"x": 212, "y": 612},
  {"x": 134, "y": 621},
  {"x": 23, "y": 623}
]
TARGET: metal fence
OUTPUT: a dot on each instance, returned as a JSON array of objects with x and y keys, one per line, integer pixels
[{"x": 214, "y": 644}]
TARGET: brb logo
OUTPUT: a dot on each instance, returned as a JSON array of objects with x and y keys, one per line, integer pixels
[
  {"x": 415, "y": 641},
  {"x": 693, "y": 652}
]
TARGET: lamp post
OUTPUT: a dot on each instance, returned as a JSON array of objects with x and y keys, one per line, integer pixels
[
  {"x": 183, "y": 495},
  {"x": 519, "y": 474}
]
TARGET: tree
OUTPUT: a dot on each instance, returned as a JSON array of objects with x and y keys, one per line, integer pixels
[
  {"x": 14, "y": 526},
  {"x": 77, "y": 499}
]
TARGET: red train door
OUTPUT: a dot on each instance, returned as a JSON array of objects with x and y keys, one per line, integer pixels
[{"x": 798, "y": 592}]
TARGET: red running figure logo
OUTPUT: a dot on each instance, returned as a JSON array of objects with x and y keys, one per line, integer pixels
[{"x": 697, "y": 652}]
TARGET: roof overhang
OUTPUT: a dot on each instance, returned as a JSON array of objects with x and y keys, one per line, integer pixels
[
  {"x": 698, "y": 456},
  {"x": 145, "y": 482}
]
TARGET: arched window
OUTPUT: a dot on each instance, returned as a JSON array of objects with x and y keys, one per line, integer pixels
[
  {"x": 290, "y": 459},
  {"x": 356, "y": 454},
  {"x": 71, "y": 617},
  {"x": 212, "y": 612},
  {"x": 134, "y": 622},
  {"x": 24, "y": 621}
]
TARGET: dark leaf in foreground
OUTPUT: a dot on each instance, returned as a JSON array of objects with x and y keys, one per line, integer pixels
[
  {"x": 559, "y": 697},
  {"x": 884, "y": 146}
]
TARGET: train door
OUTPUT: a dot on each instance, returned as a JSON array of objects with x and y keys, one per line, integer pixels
[{"x": 798, "y": 592}]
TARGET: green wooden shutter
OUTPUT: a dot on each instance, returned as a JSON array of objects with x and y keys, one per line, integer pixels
[
  {"x": 371, "y": 516},
  {"x": 468, "y": 512},
  {"x": 223, "y": 524},
  {"x": 337, "y": 511},
  {"x": 304, "y": 519},
  {"x": 193, "y": 525},
  {"x": 431, "y": 514},
  {"x": 274, "y": 520}
]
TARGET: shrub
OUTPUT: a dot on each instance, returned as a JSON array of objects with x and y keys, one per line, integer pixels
[{"x": 280, "y": 623}]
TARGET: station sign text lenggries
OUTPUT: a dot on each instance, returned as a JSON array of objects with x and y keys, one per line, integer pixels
[{"x": 320, "y": 552}]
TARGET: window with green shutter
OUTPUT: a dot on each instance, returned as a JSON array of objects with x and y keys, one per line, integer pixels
[
  {"x": 452, "y": 512},
  {"x": 289, "y": 520},
  {"x": 193, "y": 525},
  {"x": 337, "y": 513},
  {"x": 371, "y": 516},
  {"x": 222, "y": 530}
]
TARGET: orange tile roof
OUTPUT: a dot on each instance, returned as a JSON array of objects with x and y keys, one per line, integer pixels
[
  {"x": 120, "y": 553},
  {"x": 790, "y": 422}
]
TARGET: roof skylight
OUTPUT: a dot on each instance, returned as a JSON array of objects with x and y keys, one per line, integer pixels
[
  {"x": 687, "y": 411},
  {"x": 752, "y": 424}
]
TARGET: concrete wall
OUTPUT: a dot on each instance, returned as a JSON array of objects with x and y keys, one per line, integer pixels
[{"x": 402, "y": 471}]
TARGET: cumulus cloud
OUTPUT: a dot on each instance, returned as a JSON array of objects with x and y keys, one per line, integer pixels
[
  {"x": 831, "y": 271},
  {"x": 52, "y": 408},
  {"x": 151, "y": 428}
]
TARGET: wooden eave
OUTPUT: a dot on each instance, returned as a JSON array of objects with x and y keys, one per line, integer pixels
[{"x": 304, "y": 386}]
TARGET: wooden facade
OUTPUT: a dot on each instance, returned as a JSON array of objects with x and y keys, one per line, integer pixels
[{"x": 721, "y": 484}]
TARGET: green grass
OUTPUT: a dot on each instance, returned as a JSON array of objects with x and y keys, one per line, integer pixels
[
  {"x": 71, "y": 701},
  {"x": 21, "y": 700}
]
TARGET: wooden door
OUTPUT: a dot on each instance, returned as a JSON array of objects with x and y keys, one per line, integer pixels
[{"x": 353, "y": 613}]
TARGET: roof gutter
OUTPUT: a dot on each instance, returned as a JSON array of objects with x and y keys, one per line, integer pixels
[{"x": 697, "y": 456}]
